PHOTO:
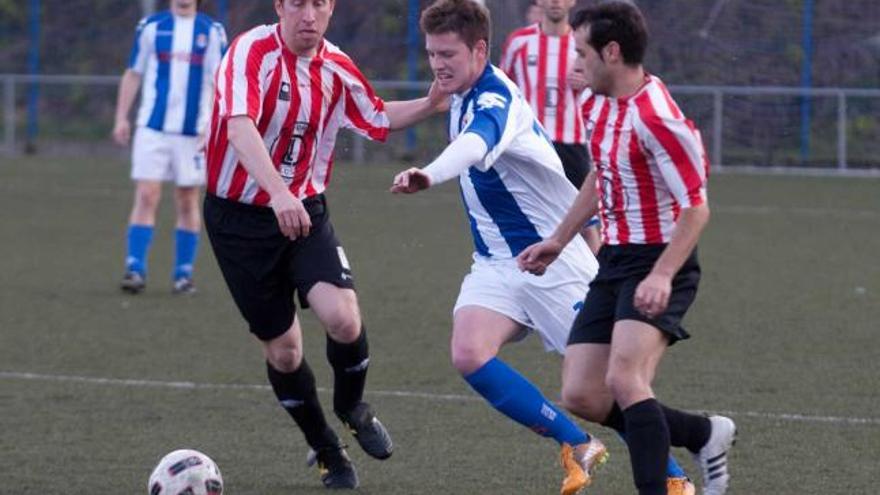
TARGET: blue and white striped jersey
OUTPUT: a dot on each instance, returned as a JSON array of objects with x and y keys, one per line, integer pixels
[
  {"x": 519, "y": 193},
  {"x": 177, "y": 57}
]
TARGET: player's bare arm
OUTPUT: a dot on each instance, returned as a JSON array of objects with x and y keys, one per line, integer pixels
[
  {"x": 652, "y": 294},
  {"x": 128, "y": 89},
  {"x": 536, "y": 258},
  {"x": 293, "y": 220},
  {"x": 402, "y": 114}
]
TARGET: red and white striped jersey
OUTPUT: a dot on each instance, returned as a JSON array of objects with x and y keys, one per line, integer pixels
[
  {"x": 650, "y": 163},
  {"x": 298, "y": 105},
  {"x": 539, "y": 64}
]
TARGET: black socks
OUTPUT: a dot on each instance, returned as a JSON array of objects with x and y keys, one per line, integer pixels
[
  {"x": 350, "y": 363},
  {"x": 647, "y": 437},
  {"x": 297, "y": 394}
]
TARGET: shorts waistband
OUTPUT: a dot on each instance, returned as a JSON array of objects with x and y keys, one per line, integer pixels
[{"x": 314, "y": 205}]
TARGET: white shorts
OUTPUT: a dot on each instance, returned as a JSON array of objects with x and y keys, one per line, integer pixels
[
  {"x": 165, "y": 157},
  {"x": 547, "y": 304}
]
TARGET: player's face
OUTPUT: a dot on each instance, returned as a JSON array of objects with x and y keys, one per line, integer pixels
[
  {"x": 304, "y": 22},
  {"x": 456, "y": 67},
  {"x": 534, "y": 14},
  {"x": 184, "y": 4},
  {"x": 590, "y": 63},
  {"x": 556, "y": 10}
]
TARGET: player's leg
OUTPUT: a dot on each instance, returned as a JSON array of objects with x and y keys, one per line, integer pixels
[
  {"x": 585, "y": 394},
  {"x": 477, "y": 336},
  {"x": 552, "y": 303},
  {"x": 324, "y": 281},
  {"x": 186, "y": 238},
  {"x": 150, "y": 165},
  {"x": 254, "y": 260},
  {"x": 636, "y": 349},
  {"x": 189, "y": 175},
  {"x": 141, "y": 222}
]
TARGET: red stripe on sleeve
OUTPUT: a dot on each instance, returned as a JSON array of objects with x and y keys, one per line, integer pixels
[
  {"x": 687, "y": 170},
  {"x": 255, "y": 58},
  {"x": 230, "y": 60}
]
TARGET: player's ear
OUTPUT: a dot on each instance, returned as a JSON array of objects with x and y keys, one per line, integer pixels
[
  {"x": 482, "y": 48},
  {"x": 611, "y": 52}
]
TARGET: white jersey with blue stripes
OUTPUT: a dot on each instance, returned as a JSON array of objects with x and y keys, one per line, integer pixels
[
  {"x": 518, "y": 194},
  {"x": 177, "y": 58}
]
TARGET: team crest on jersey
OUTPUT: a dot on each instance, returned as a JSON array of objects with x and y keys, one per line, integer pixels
[
  {"x": 491, "y": 100},
  {"x": 284, "y": 92},
  {"x": 532, "y": 60},
  {"x": 202, "y": 40}
]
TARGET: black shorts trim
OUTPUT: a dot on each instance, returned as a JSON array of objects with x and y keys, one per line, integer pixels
[
  {"x": 610, "y": 298},
  {"x": 263, "y": 269},
  {"x": 575, "y": 162}
]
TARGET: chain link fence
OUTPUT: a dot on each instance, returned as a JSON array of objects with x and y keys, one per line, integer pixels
[{"x": 747, "y": 57}]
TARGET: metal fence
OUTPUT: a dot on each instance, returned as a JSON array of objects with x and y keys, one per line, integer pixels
[{"x": 754, "y": 127}]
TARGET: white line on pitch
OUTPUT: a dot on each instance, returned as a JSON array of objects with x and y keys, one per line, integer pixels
[{"x": 13, "y": 375}]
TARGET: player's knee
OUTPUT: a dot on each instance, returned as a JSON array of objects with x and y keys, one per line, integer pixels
[
  {"x": 467, "y": 358},
  {"x": 147, "y": 199},
  {"x": 626, "y": 385},
  {"x": 344, "y": 327},
  {"x": 579, "y": 401},
  {"x": 284, "y": 357}
]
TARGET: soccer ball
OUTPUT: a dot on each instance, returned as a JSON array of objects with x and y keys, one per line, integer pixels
[{"x": 185, "y": 472}]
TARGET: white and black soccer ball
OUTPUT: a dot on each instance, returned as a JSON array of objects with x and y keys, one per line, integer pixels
[{"x": 185, "y": 472}]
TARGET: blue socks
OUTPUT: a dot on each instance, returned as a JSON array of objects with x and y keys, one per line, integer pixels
[
  {"x": 185, "y": 243},
  {"x": 515, "y": 397},
  {"x": 139, "y": 237}
]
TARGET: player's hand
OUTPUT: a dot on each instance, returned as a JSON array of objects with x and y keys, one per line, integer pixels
[
  {"x": 536, "y": 258},
  {"x": 410, "y": 181},
  {"x": 576, "y": 80},
  {"x": 652, "y": 295},
  {"x": 438, "y": 99},
  {"x": 122, "y": 132},
  {"x": 293, "y": 219}
]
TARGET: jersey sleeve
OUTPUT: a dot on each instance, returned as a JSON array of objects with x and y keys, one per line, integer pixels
[
  {"x": 241, "y": 77},
  {"x": 364, "y": 110},
  {"x": 142, "y": 47},
  {"x": 507, "y": 57},
  {"x": 678, "y": 150},
  {"x": 493, "y": 121}
]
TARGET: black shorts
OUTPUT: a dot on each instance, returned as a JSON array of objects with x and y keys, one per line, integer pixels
[
  {"x": 610, "y": 298},
  {"x": 575, "y": 162},
  {"x": 263, "y": 269}
]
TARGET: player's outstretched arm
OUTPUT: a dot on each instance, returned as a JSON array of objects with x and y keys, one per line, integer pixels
[
  {"x": 403, "y": 114},
  {"x": 128, "y": 89},
  {"x": 536, "y": 258},
  {"x": 466, "y": 150},
  {"x": 293, "y": 220}
]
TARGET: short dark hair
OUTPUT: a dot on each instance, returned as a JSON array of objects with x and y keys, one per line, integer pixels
[
  {"x": 615, "y": 21},
  {"x": 467, "y": 18}
]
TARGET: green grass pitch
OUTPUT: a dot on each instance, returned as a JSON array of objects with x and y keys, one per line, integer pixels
[{"x": 785, "y": 339}]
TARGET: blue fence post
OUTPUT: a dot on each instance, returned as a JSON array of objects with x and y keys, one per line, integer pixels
[
  {"x": 806, "y": 81},
  {"x": 412, "y": 61},
  {"x": 33, "y": 69},
  {"x": 222, "y": 9}
]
